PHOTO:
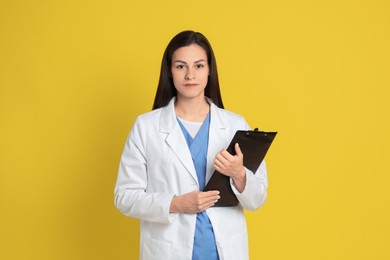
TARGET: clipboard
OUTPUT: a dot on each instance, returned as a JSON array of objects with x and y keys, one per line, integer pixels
[{"x": 254, "y": 145}]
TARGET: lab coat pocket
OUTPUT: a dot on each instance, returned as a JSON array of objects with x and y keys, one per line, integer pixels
[
  {"x": 237, "y": 245},
  {"x": 153, "y": 249}
]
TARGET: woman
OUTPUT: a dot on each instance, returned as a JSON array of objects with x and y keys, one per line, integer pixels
[{"x": 171, "y": 153}]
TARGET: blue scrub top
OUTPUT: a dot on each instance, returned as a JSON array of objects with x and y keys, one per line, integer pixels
[{"x": 204, "y": 240}]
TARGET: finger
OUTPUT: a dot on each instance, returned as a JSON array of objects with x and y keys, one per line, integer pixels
[
  {"x": 210, "y": 201},
  {"x": 221, "y": 157},
  {"x": 205, "y": 204},
  {"x": 210, "y": 196},
  {"x": 238, "y": 150},
  {"x": 210, "y": 205},
  {"x": 218, "y": 163},
  {"x": 220, "y": 168},
  {"x": 226, "y": 155},
  {"x": 211, "y": 193},
  {"x": 203, "y": 207}
]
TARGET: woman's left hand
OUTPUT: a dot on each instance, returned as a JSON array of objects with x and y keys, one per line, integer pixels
[{"x": 232, "y": 166}]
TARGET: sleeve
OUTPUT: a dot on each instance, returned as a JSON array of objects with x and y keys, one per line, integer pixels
[
  {"x": 255, "y": 191},
  {"x": 130, "y": 195}
]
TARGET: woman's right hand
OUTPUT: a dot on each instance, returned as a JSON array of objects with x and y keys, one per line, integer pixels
[{"x": 194, "y": 202}]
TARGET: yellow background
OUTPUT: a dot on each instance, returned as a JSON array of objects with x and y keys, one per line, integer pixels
[{"x": 74, "y": 75}]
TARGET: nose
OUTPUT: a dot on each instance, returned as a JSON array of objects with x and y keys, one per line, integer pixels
[{"x": 190, "y": 74}]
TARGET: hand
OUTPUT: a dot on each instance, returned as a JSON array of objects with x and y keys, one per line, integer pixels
[
  {"x": 232, "y": 166},
  {"x": 194, "y": 202}
]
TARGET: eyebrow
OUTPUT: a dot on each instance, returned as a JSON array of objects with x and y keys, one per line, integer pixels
[{"x": 198, "y": 61}]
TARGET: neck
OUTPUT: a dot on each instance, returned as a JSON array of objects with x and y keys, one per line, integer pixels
[{"x": 192, "y": 110}]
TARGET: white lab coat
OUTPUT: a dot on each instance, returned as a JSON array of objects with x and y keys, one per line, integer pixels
[{"x": 156, "y": 164}]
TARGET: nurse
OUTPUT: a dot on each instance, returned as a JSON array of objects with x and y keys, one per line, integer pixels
[{"x": 171, "y": 153}]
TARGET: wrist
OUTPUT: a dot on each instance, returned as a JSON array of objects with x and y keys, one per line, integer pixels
[
  {"x": 241, "y": 175},
  {"x": 174, "y": 208},
  {"x": 240, "y": 180}
]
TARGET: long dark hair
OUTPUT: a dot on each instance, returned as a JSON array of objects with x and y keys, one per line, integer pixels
[{"x": 166, "y": 90}]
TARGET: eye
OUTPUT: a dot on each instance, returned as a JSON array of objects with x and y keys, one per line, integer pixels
[
  {"x": 180, "y": 66},
  {"x": 199, "y": 66}
]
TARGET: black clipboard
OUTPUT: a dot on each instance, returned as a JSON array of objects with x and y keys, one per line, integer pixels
[{"x": 254, "y": 145}]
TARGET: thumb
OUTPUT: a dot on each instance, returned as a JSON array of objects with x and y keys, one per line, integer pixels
[{"x": 238, "y": 150}]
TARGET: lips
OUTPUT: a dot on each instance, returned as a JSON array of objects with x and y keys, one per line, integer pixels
[{"x": 190, "y": 85}]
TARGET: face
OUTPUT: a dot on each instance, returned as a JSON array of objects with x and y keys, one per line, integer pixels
[{"x": 190, "y": 71}]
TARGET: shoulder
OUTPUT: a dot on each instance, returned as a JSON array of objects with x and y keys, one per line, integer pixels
[
  {"x": 149, "y": 116},
  {"x": 226, "y": 113},
  {"x": 145, "y": 126},
  {"x": 229, "y": 118},
  {"x": 164, "y": 115},
  {"x": 145, "y": 122},
  {"x": 231, "y": 115}
]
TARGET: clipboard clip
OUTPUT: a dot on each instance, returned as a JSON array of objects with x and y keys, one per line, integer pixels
[{"x": 257, "y": 130}]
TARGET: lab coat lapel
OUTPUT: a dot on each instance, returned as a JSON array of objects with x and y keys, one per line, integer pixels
[
  {"x": 217, "y": 138},
  {"x": 175, "y": 138}
]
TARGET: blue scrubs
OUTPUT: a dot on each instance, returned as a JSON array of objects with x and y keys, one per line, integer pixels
[{"x": 204, "y": 241}]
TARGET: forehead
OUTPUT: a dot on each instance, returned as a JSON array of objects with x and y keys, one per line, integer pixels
[{"x": 193, "y": 52}]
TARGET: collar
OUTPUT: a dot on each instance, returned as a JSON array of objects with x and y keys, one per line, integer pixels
[{"x": 168, "y": 120}]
